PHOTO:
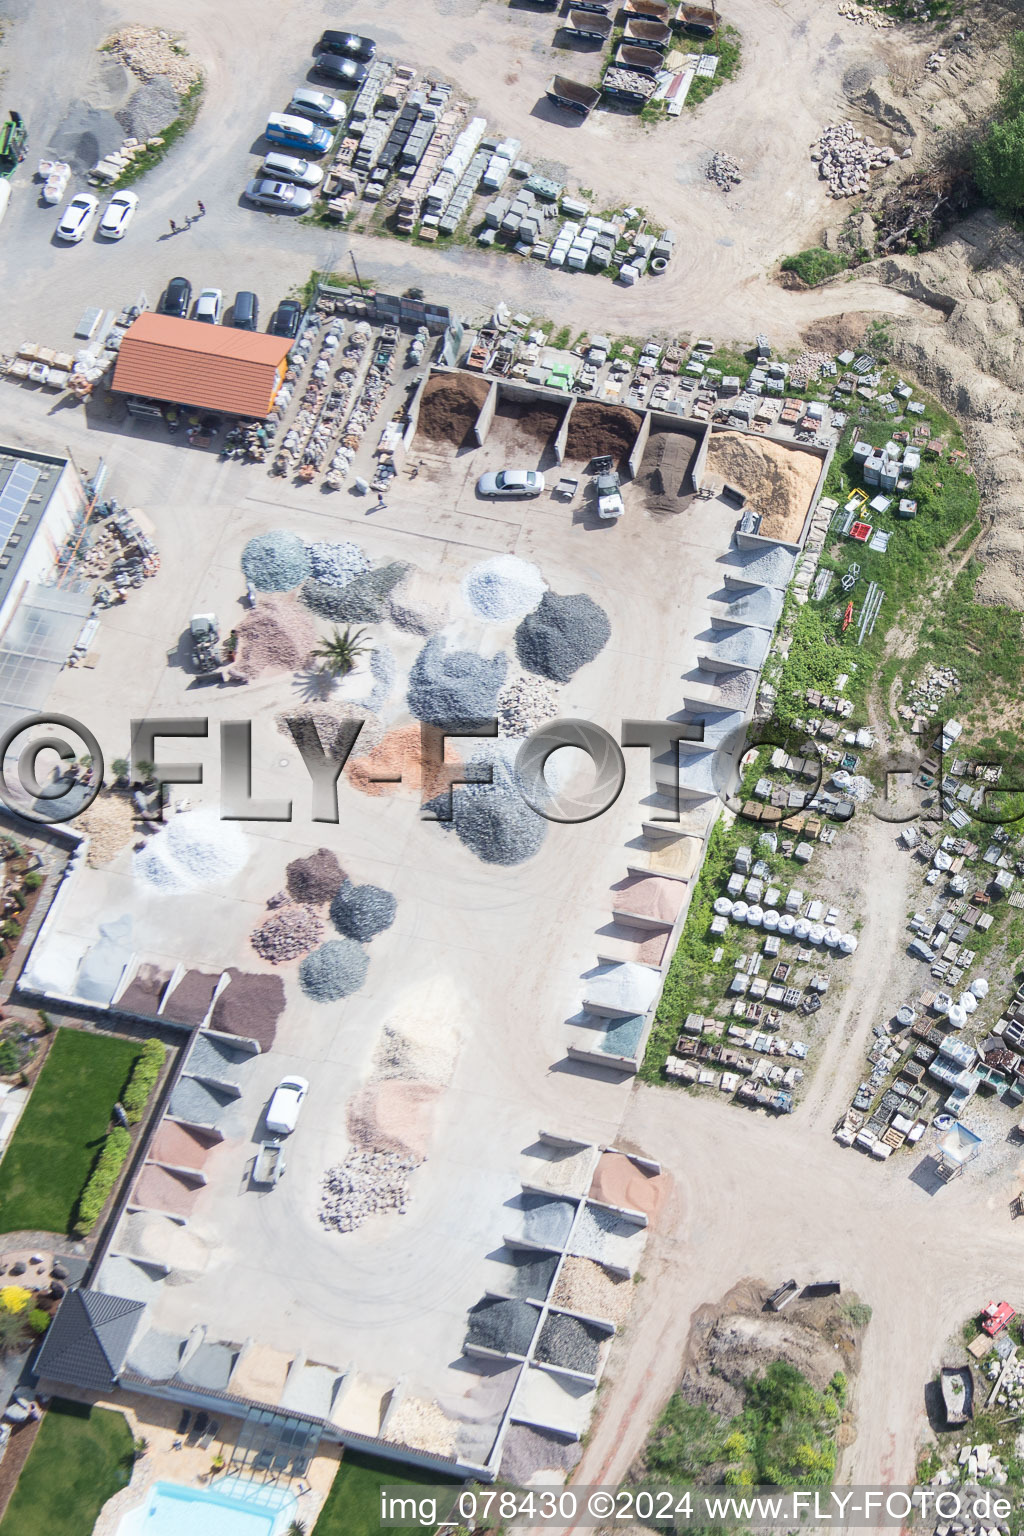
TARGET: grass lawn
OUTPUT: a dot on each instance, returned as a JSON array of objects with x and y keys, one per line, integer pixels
[
  {"x": 77, "y": 1463},
  {"x": 57, "y": 1138},
  {"x": 353, "y": 1504}
]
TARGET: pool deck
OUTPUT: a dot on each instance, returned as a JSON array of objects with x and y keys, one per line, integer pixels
[{"x": 157, "y": 1422}]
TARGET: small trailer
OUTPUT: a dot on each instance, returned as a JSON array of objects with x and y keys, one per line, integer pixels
[
  {"x": 589, "y": 24},
  {"x": 571, "y": 96},
  {"x": 269, "y": 1164}
]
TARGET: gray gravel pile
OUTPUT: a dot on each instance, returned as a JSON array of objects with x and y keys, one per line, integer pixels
[
  {"x": 335, "y": 970},
  {"x": 570, "y": 1343},
  {"x": 493, "y": 820},
  {"x": 414, "y": 607},
  {"x": 362, "y": 911},
  {"x": 507, "y": 1326},
  {"x": 562, "y": 635},
  {"x": 363, "y": 600},
  {"x": 771, "y": 567},
  {"x": 289, "y": 932},
  {"x": 526, "y": 1451},
  {"x": 530, "y": 1275},
  {"x": 275, "y": 562},
  {"x": 334, "y": 565},
  {"x": 733, "y": 687},
  {"x": 546, "y": 1220},
  {"x": 150, "y": 109},
  {"x": 454, "y": 685},
  {"x": 198, "y": 1103},
  {"x": 365, "y": 1184},
  {"x": 316, "y": 878},
  {"x": 524, "y": 703},
  {"x": 503, "y": 588},
  {"x": 383, "y": 670},
  {"x": 328, "y": 722}
]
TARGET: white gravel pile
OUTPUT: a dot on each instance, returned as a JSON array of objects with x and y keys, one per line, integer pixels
[
  {"x": 336, "y": 564},
  {"x": 149, "y": 52},
  {"x": 366, "y": 1184},
  {"x": 524, "y": 703},
  {"x": 195, "y": 849},
  {"x": 503, "y": 588},
  {"x": 401, "y": 1055}
]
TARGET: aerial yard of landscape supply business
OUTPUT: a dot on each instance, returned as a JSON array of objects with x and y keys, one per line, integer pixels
[{"x": 385, "y": 413}]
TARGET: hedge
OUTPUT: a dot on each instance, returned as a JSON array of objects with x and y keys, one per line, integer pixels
[
  {"x": 143, "y": 1080},
  {"x": 101, "y": 1181}
]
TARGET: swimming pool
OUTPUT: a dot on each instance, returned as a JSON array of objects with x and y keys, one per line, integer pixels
[{"x": 230, "y": 1508}]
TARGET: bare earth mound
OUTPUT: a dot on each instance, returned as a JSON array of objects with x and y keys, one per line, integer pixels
[
  {"x": 778, "y": 482},
  {"x": 596, "y": 429},
  {"x": 450, "y": 407}
]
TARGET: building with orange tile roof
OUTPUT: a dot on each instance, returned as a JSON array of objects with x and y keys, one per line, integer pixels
[{"x": 212, "y": 367}]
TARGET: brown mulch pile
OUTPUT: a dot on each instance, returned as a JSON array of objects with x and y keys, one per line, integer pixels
[
  {"x": 532, "y": 420},
  {"x": 250, "y": 1006},
  {"x": 595, "y": 429},
  {"x": 189, "y": 1001},
  {"x": 315, "y": 879},
  {"x": 450, "y": 407}
]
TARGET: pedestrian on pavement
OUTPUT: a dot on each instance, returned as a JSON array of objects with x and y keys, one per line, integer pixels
[
  {"x": 202, "y": 209},
  {"x": 381, "y": 503},
  {"x": 174, "y": 228}
]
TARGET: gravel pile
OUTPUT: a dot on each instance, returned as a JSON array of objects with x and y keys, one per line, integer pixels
[
  {"x": 493, "y": 820},
  {"x": 454, "y": 685},
  {"x": 334, "y": 565},
  {"x": 363, "y": 600},
  {"x": 524, "y": 703},
  {"x": 723, "y": 171},
  {"x": 405, "y": 1057},
  {"x": 149, "y": 52},
  {"x": 362, "y": 911},
  {"x": 527, "y": 1451},
  {"x": 584, "y": 1286},
  {"x": 414, "y": 607},
  {"x": 562, "y": 635},
  {"x": 365, "y": 1184},
  {"x": 546, "y": 1219},
  {"x": 502, "y": 588},
  {"x": 507, "y": 1326},
  {"x": 287, "y": 933},
  {"x": 275, "y": 562},
  {"x": 335, "y": 970},
  {"x": 529, "y": 1275},
  {"x": 198, "y": 1103},
  {"x": 195, "y": 849},
  {"x": 570, "y": 1343},
  {"x": 422, "y": 1426},
  {"x": 383, "y": 670},
  {"x": 250, "y": 1006},
  {"x": 846, "y": 159},
  {"x": 328, "y": 722},
  {"x": 315, "y": 879},
  {"x": 150, "y": 109},
  {"x": 276, "y": 637},
  {"x": 602, "y": 1235}
]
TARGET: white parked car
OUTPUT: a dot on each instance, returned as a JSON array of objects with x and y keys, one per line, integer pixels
[
  {"x": 118, "y": 214},
  {"x": 283, "y": 1112},
  {"x": 291, "y": 168},
  {"x": 321, "y": 106},
  {"x": 280, "y": 196},
  {"x": 511, "y": 482},
  {"x": 77, "y": 217},
  {"x": 208, "y": 306}
]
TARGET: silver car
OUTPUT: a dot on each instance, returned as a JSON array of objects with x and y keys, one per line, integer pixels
[
  {"x": 281, "y": 196},
  {"x": 292, "y": 168},
  {"x": 511, "y": 482}
]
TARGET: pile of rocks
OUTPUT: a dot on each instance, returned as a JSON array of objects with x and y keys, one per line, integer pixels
[
  {"x": 930, "y": 689},
  {"x": 366, "y": 1184},
  {"x": 150, "y": 52},
  {"x": 846, "y": 159},
  {"x": 865, "y": 13},
  {"x": 524, "y": 703},
  {"x": 810, "y": 365},
  {"x": 723, "y": 171}
]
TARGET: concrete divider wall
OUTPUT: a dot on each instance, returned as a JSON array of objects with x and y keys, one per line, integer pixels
[
  {"x": 562, "y": 436},
  {"x": 414, "y": 411},
  {"x": 640, "y": 445},
  {"x": 700, "y": 458},
  {"x": 485, "y": 415}
]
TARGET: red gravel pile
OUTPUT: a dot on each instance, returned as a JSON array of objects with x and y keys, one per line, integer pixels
[{"x": 250, "y": 1007}]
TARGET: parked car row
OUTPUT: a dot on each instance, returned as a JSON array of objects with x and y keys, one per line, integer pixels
[
  {"x": 308, "y": 124},
  {"x": 77, "y": 217},
  {"x": 245, "y": 312}
]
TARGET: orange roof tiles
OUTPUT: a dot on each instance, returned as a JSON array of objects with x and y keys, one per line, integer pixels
[{"x": 190, "y": 363}]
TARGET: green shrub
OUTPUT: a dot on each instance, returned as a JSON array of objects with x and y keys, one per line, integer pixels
[
  {"x": 143, "y": 1080},
  {"x": 101, "y": 1181},
  {"x": 33, "y": 880},
  {"x": 816, "y": 265},
  {"x": 38, "y": 1320},
  {"x": 10, "y": 1061},
  {"x": 10, "y": 929}
]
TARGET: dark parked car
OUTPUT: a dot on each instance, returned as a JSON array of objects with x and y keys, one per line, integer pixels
[
  {"x": 177, "y": 297},
  {"x": 344, "y": 72},
  {"x": 245, "y": 312},
  {"x": 348, "y": 45},
  {"x": 286, "y": 318}
]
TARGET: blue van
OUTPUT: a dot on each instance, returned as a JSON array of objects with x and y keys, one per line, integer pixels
[{"x": 298, "y": 133}]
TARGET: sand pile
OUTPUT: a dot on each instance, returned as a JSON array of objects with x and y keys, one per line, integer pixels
[
  {"x": 450, "y": 406},
  {"x": 108, "y": 822},
  {"x": 596, "y": 429},
  {"x": 778, "y": 482},
  {"x": 397, "y": 756},
  {"x": 276, "y": 637},
  {"x": 414, "y": 1053},
  {"x": 619, "y": 1181},
  {"x": 394, "y": 1116}
]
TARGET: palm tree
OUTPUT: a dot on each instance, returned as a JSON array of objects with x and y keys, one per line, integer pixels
[
  {"x": 297, "y": 1528},
  {"x": 338, "y": 654}
]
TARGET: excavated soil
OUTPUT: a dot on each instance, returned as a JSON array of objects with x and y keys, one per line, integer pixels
[
  {"x": 596, "y": 429},
  {"x": 779, "y": 482},
  {"x": 665, "y": 470},
  {"x": 450, "y": 406},
  {"x": 532, "y": 421}
]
